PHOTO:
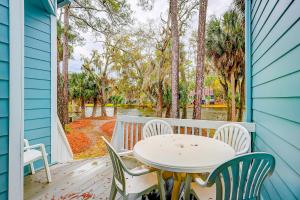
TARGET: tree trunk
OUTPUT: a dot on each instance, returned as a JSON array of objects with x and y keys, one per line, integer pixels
[
  {"x": 77, "y": 105},
  {"x": 94, "y": 107},
  {"x": 175, "y": 58},
  {"x": 103, "y": 110},
  {"x": 184, "y": 102},
  {"x": 160, "y": 102},
  {"x": 228, "y": 109},
  {"x": 73, "y": 105},
  {"x": 200, "y": 60},
  {"x": 184, "y": 112},
  {"x": 115, "y": 110},
  {"x": 59, "y": 94},
  {"x": 226, "y": 96},
  {"x": 65, "y": 97},
  {"x": 168, "y": 111},
  {"x": 242, "y": 99},
  {"x": 102, "y": 102},
  {"x": 233, "y": 104},
  {"x": 82, "y": 104}
]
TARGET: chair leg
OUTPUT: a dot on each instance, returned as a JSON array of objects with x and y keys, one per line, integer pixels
[
  {"x": 46, "y": 164},
  {"x": 187, "y": 186},
  {"x": 32, "y": 168},
  {"x": 113, "y": 191},
  {"x": 161, "y": 185}
]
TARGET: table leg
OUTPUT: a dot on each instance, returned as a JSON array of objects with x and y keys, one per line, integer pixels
[
  {"x": 187, "y": 187},
  {"x": 178, "y": 178},
  {"x": 161, "y": 184}
]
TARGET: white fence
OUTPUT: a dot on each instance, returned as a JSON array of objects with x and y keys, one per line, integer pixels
[{"x": 128, "y": 129}]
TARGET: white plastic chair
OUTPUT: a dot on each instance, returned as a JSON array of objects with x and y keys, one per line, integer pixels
[
  {"x": 236, "y": 136},
  {"x": 130, "y": 183},
  {"x": 156, "y": 127},
  {"x": 33, "y": 153}
]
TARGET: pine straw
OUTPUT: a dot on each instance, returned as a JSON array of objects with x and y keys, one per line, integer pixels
[
  {"x": 108, "y": 128},
  {"x": 78, "y": 141},
  {"x": 84, "y": 136}
]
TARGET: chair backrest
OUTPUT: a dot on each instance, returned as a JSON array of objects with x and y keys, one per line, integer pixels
[
  {"x": 156, "y": 127},
  {"x": 242, "y": 177},
  {"x": 26, "y": 143},
  {"x": 236, "y": 136},
  {"x": 118, "y": 167}
]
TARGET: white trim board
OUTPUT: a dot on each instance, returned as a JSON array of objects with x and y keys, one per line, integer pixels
[
  {"x": 54, "y": 155},
  {"x": 16, "y": 99}
]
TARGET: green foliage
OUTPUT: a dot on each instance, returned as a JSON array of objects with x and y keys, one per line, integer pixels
[
  {"x": 225, "y": 47},
  {"x": 167, "y": 97},
  {"x": 97, "y": 67},
  {"x": 131, "y": 66},
  {"x": 116, "y": 99},
  {"x": 183, "y": 95},
  {"x": 225, "y": 44},
  {"x": 81, "y": 85}
]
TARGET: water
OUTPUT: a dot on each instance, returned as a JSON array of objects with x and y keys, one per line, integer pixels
[{"x": 206, "y": 113}]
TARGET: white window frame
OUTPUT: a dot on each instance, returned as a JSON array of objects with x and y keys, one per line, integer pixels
[{"x": 16, "y": 99}]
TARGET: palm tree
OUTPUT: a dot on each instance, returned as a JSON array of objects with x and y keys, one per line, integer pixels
[
  {"x": 76, "y": 90},
  {"x": 92, "y": 92},
  {"x": 200, "y": 60},
  {"x": 225, "y": 46},
  {"x": 183, "y": 99},
  {"x": 115, "y": 100},
  {"x": 73, "y": 94},
  {"x": 79, "y": 89}
]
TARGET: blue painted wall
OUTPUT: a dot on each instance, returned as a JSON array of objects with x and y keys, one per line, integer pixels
[
  {"x": 276, "y": 91},
  {"x": 37, "y": 74},
  {"x": 4, "y": 96}
]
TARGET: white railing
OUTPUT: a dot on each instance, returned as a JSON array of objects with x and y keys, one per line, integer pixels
[
  {"x": 128, "y": 129},
  {"x": 61, "y": 149}
]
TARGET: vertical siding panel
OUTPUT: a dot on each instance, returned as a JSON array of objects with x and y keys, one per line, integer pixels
[{"x": 276, "y": 98}]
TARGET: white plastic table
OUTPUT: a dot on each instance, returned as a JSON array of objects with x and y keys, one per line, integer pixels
[{"x": 183, "y": 153}]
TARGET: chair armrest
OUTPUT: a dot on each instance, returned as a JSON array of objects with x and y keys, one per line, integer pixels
[
  {"x": 140, "y": 171},
  {"x": 35, "y": 146},
  {"x": 200, "y": 182},
  {"x": 126, "y": 153},
  {"x": 26, "y": 143}
]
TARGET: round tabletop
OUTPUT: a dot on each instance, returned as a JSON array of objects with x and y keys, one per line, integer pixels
[{"x": 183, "y": 153}]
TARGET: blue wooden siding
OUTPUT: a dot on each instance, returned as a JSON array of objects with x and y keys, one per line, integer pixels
[
  {"x": 275, "y": 38},
  {"x": 37, "y": 75},
  {"x": 4, "y": 96}
]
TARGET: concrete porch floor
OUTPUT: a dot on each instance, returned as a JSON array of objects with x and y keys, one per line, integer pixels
[{"x": 82, "y": 179}]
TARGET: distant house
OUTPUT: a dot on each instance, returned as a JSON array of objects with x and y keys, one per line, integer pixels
[
  {"x": 27, "y": 85},
  {"x": 208, "y": 95}
]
